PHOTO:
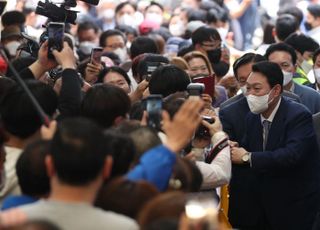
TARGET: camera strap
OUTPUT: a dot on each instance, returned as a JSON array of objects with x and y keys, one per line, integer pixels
[{"x": 216, "y": 150}]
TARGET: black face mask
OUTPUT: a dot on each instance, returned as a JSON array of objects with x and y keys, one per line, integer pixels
[
  {"x": 308, "y": 26},
  {"x": 214, "y": 55},
  {"x": 221, "y": 68}
]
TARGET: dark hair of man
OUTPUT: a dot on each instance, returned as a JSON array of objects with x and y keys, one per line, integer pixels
[
  {"x": 78, "y": 150},
  {"x": 103, "y": 103},
  {"x": 246, "y": 59},
  {"x": 163, "y": 32},
  {"x": 113, "y": 69},
  {"x": 204, "y": 34},
  {"x": 13, "y": 18},
  {"x": 166, "y": 80},
  {"x": 31, "y": 170},
  {"x": 19, "y": 116},
  {"x": 142, "y": 45},
  {"x": 110, "y": 33},
  {"x": 5, "y": 86},
  {"x": 197, "y": 15},
  {"x": 315, "y": 55},
  {"x": 292, "y": 10},
  {"x": 123, "y": 4},
  {"x": 20, "y": 64},
  {"x": 184, "y": 50},
  {"x": 286, "y": 25},
  {"x": 271, "y": 71},
  {"x": 122, "y": 149},
  {"x": 152, "y": 3},
  {"x": 302, "y": 43},
  {"x": 87, "y": 25},
  {"x": 216, "y": 14},
  {"x": 127, "y": 30},
  {"x": 314, "y": 10},
  {"x": 284, "y": 48}
]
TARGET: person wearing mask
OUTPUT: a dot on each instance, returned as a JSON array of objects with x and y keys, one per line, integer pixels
[
  {"x": 285, "y": 56},
  {"x": 312, "y": 23},
  {"x": 88, "y": 38},
  {"x": 316, "y": 68},
  {"x": 279, "y": 151}
]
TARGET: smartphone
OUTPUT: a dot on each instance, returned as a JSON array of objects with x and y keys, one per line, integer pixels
[
  {"x": 209, "y": 83},
  {"x": 154, "y": 109},
  {"x": 55, "y": 37},
  {"x": 195, "y": 90},
  {"x": 151, "y": 67},
  {"x": 96, "y": 54}
]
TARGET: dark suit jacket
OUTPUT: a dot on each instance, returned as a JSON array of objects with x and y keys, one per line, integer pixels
[
  {"x": 281, "y": 189},
  {"x": 309, "y": 97}
]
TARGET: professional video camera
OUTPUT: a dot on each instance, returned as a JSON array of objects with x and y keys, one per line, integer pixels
[{"x": 61, "y": 13}]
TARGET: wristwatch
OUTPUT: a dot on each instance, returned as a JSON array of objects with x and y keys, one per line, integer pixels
[{"x": 246, "y": 158}]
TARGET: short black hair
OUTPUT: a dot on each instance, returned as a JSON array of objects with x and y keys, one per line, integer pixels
[
  {"x": 78, "y": 151},
  {"x": 286, "y": 25},
  {"x": 123, "y": 4},
  {"x": 282, "y": 47},
  {"x": 302, "y": 43},
  {"x": 314, "y": 10},
  {"x": 31, "y": 170},
  {"x": 204, "y": 34},
  {"x": 5, "y": 86},
  {"x": 292, "y": 10},
  {"x": 110, "y": 33},
  {"x": 116, "y": 69},
  {"x": 103, "y": 103},
  {"x": 18, "y": 114},
  {"x": 87, "y": 25},
  {"x": 153, "y": 3},
  {"x": 13, "y": 17},
  {"x": 197, "y": 15},
  {"x": 271, "y": 71},
  {"x": 216, "y": 14},
  {"x": 142, "y": 45},
  {"x": 168, "y": 79},
  {"x": 245, "y": 59},
  {"x": 315, "y": 55}
]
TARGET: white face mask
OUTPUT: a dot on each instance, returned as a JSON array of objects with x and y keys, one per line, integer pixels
[
  {"x": 12, "y": 47},
  {"x": 157, "y": 18},
  {"x": 86, "y": 47},
  {"x": 306, "y": 66},
  {"x": 317, "y": 75},
  {"x": 107, "y": 14},
  {"x": 127, "y": 20},
  {"x": 287, "y": 77},
  {"x": 122, "y": 53},
  {"x": 258, "y": 104},
  {"x": 177, "y": 29}
]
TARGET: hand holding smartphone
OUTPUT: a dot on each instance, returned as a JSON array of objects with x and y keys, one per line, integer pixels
[
  {"x": 55, "y": 37},
  {"x": 96, "y": 54}
]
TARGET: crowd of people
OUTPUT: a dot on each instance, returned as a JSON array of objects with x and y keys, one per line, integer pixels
[{"x": 189, "y": 114}]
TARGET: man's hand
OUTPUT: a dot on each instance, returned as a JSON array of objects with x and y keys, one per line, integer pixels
[
  {"x": 237, "y": 154},
  {"x": 181, "y": 128},
  {"x": 65, "y": 57},
  {"x": 215, "y": 127},
  {"x": 139, "y": 92},
  {"x": 207, "y": 100},
  {"x": 92, "y": 71},
  {"x": 48, "y": 132}
]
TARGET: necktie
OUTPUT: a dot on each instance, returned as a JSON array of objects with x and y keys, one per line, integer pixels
[{"x": 266, "y": 128}]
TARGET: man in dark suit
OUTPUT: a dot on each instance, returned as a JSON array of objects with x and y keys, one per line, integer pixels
[
  {"x": 280, "y": 153},
  {"x": 286, "y": 57}
]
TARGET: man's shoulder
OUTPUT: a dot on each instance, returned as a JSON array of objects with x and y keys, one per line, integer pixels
[
  {"x": 306, "y": 90},
  {"x": 231, "y": 101},
  {"x": 64, "y": 213}
]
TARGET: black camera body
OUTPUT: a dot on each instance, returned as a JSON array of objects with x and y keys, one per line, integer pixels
[{"x": 202, "y": 131}]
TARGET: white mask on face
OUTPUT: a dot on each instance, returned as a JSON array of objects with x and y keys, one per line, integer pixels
[
  {"x": 306, "y": 66},
  {"x": 287, "y": 77},
  {"x": 317, "y": 75},
  {"x": 107, "y": 14},
  {"x": 258, "y": 104},
  {"x": 86, "y": 47},
  {"x": 127, "y": 20},
  {"x": 177, "y": 29},
  {"x": 157, "y": 18},
  {"x": 122, "y": 53},
  {"x": 12, "y": 47}
]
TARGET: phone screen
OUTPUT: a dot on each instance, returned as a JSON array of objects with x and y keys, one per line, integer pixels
[
  {"x": 154, "y": 109},
  {"x": 55, "y": 37},
  {"x": 96, "y": 55}
]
